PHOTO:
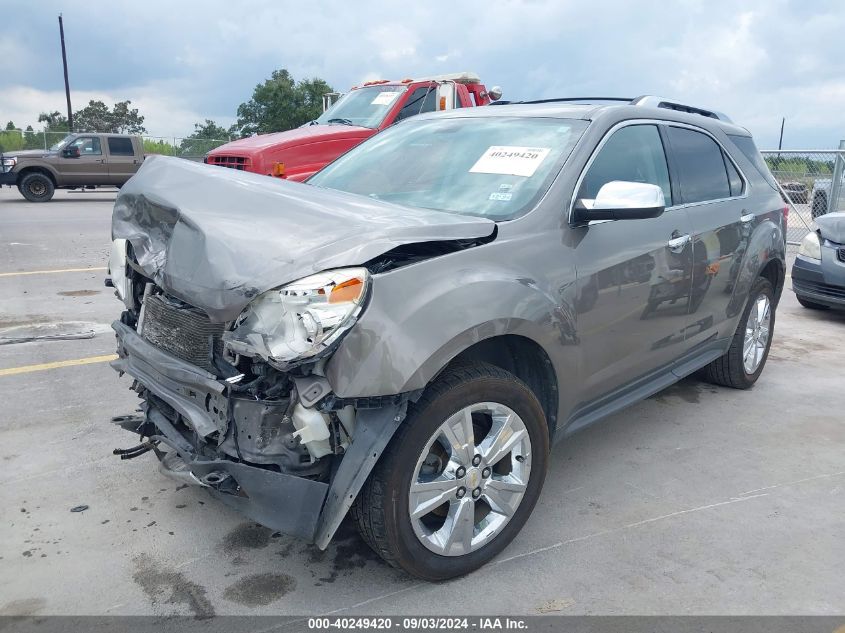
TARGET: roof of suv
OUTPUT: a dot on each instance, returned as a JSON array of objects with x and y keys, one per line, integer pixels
[{"x": 592, "y": 111}]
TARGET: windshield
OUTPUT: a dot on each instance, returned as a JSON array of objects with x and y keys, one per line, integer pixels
[
  {"x": 494, "y": 167},
  {"x": 62, "y": 143},
  {"x": 366, "y": 107}
]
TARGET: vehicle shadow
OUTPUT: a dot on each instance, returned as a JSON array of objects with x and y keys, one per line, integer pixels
[{"x": 64, "y": 200}]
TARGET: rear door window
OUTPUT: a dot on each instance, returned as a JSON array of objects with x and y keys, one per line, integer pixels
[
  {"x": 120, "y": 146},
  {"x": 700, "y": 164},
  {"x": 632, "y": 154}
]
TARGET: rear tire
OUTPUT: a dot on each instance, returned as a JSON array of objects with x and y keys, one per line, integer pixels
[
  {"x": 811, "y": 305},
  {"x": 733, "y": 369},
  {"x": 431, "y": 544},
  {"x": 36, "y": 187}
]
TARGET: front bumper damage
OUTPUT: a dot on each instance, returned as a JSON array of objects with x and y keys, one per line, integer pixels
[{"x": 185, "y": 406}]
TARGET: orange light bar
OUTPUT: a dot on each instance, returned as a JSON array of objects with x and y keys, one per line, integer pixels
[
  {"x": 345, "y": 291},
  {"x": 279, "y": 170}
]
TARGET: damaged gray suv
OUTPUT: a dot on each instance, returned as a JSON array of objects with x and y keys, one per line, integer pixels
[{"x": 403, "y": 338}]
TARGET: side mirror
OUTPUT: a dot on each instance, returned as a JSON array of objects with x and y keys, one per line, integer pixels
[
  {"x": 620, "y": 200},
  {"x": 495, "y": 93},
  {"x": 71, "y": 152}
]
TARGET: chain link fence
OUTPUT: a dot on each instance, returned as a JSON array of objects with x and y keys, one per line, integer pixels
[
  {"x": 183, "y": 147},
  {"x": 812, "y": 183}
]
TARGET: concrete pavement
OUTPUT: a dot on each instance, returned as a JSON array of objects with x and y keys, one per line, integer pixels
[{"x": 700, "y": 500}]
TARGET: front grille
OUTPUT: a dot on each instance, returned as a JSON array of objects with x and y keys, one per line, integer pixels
[
  {"x": 235, "y": 162},
  {"x": 181, "y": 330},
  {"x": 835, "y": 292},
  {"x": 840, "y": 253}
]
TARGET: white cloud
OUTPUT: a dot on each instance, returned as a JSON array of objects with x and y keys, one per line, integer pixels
[
  {"x": 718, "y": 58},
  {"x": 393, "y": 41},
  {"x": 445, "y": 57},
  {"x": 757, "y": 60},
  {"x": 165, "y": 114}
]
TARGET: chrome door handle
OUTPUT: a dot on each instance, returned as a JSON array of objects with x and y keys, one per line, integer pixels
[
  {"x": 677, "y": 244},
  {"x": 746, "y": 218}
]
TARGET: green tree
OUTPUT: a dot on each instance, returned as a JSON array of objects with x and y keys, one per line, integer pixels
[
  {"x": 55, "y": 129},
  {"x": 10, "y": 139},
  {"x": 53, "y": 121},
  {"x": 31, "y": 140},
  {"x": 281, "y": 103},
  {"x": 206, "y": 137},
  {"x": 121, "y": 119},
  {"x": 158, "y": 147}
]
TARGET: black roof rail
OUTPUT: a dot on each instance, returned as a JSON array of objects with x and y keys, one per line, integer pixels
[
  {"x": 564, "y": 100},
  {"x": 668, "y": 104},
  {"x": 644, "y": 100}
]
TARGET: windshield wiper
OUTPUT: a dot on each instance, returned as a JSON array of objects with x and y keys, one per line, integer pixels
[{"x": 341, "y": 121}]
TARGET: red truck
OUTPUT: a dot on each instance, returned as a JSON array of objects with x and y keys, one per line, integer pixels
[{"x": 356, "y": 116}]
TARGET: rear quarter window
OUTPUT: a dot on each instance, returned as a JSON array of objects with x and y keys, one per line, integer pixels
[
  {"x": 119, "y": 146},
  {"x": 746, "y": 145}
]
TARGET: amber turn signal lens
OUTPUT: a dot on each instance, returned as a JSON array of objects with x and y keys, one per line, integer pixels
[{"x": 345, "y": 291}]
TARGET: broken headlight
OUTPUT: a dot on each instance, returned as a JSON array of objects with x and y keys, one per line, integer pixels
[{"x": 300, "y": 320}]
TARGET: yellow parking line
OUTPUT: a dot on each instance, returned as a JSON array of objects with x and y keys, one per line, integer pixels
[
  {"x": 25, "y": 369},
  {"x": 47, "y": 272}
]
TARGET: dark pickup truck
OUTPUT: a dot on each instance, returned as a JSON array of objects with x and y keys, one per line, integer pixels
[{"x": 78, "y": 160}]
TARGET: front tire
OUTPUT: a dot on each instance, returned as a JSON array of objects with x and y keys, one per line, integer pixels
[
  {"x": 743, "y": 363},
  {"x": 460, "y": 477},
  {"x": 36, "y": 187}
]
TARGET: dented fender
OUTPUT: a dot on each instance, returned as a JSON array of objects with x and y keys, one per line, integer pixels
[
  {"x": 416, "y": 321},
  {"x": 767, "y": 239}
]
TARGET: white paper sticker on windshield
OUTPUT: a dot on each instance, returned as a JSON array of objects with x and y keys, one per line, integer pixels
[
  {"x": 510, "y": 160},
  {"x": 385, "y": 98}
]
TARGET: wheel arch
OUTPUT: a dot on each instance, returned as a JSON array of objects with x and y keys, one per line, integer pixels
[
  {"x": 764, "y": 256},
  {"x": 37, "y": 170},
  {"x": 775, "y": 271},
  {"x": 525, "y": 359}
]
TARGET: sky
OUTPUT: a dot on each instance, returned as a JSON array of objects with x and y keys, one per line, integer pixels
[{"x": 182, "y": 61}]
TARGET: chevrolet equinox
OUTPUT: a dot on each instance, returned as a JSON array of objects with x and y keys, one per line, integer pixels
[{"x": 405, "y": 336}]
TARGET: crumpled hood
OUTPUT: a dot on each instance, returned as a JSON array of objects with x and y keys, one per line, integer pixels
[
  {"x": 832, "y": 226},
  {"x": 216, "y": 238}
]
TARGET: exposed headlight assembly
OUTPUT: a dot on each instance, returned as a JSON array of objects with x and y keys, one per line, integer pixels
[
  {"x": 300, "y": 320},
  {"x": 7, "y": 164},
  {"x": 117, "y": 270},
  {"x": 811, "y": 247}
]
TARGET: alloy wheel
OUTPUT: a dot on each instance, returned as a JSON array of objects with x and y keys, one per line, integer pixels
[
  {"x": 757, "y": 330},
  {"x": 470, "y": 479}
]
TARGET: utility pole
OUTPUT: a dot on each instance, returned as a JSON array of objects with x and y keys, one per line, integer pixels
[{"x": 67, "y": 84}]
